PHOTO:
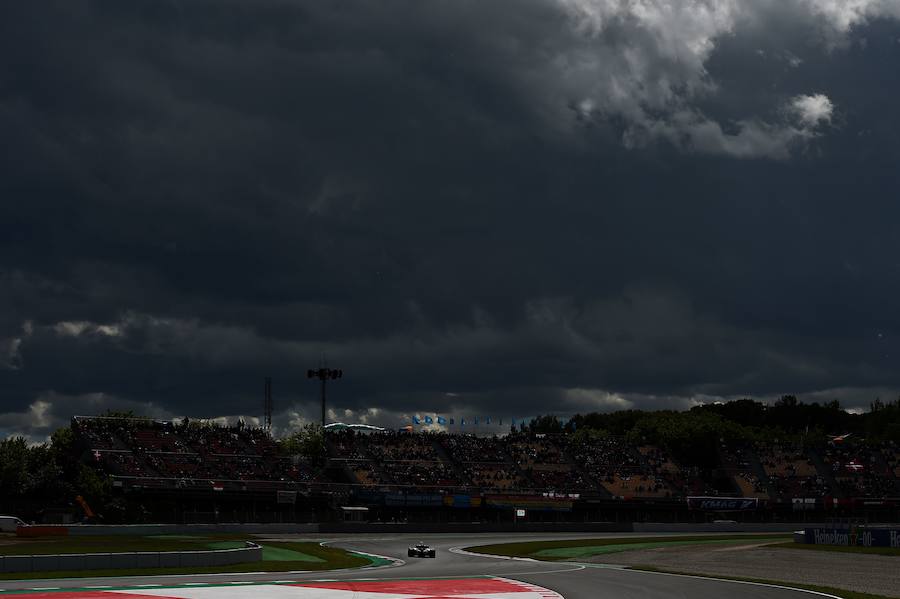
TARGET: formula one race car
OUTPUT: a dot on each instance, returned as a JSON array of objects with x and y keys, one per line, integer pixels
[{"x": 420, "y": 550}]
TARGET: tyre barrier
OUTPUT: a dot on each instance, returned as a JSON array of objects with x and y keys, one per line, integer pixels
[{"x": 130, "y": 561}]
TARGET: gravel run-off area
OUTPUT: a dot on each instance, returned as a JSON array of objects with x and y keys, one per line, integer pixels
[{"x": 876, "y": 574}]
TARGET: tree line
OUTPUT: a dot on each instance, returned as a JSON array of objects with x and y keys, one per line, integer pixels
[{"x": 694, "y": 435}]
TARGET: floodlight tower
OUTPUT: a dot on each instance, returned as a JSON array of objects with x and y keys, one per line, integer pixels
[{"x": 324, "y": 374}]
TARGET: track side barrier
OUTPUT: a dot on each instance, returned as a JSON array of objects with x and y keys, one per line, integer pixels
[
  {"x": 130, "y": 561},
  {"x": 408, "y": 527},
  {"x": 163, "y": 529}
]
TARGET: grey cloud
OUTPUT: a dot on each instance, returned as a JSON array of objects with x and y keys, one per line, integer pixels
[
  {"x": 548, "y": 202},
  {"x": 50, "y": 411},
  {"x": 643, "y": 344},
  {"x": 9, "y": 353}
]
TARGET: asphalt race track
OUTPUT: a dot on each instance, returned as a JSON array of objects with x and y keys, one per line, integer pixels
[{"x": 572, "y": 581}]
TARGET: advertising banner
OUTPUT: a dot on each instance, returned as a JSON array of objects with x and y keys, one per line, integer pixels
[
  {"x": 801, "y": 504},
  {"x": 854, "y": 537},
  {"x": 410, "y": 499},
  {"x": 287, "y": 497},
  {"x": 723, "y": 504},
  {"x": 461, "y": 501},
  {"x": 531, "y": 502}
]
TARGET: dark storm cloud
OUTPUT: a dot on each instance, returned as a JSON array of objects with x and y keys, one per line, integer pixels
[{"x": 553, "y": 204}]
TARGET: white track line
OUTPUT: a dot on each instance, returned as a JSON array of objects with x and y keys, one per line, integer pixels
[
  {"x": 396, "y": 561},
  {"x": 759, "y": 584},
  {"x": 574, "y": 568},
  {"x": 462, "y": 551}
]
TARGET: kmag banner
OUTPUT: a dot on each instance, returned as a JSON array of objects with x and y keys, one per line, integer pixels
[{"x": 723, "y": 504}]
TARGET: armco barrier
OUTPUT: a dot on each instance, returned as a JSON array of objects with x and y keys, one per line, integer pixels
[
  {"x": 16, "y": 563},
  {"x": 188, "y": 529},
  {"x": 337, "y": 527},
  {"x": 164, "y": 529},
  {"x": 119, "y": 561},
  {"x": 758, "y": 527},
  {"x": 415, "y": 527},
  {"x": 556, "y": 527},
  {"x": 69, "y": 563},
  {"x": 471, "y": 527},
  {"x": 169, "y": 560}
]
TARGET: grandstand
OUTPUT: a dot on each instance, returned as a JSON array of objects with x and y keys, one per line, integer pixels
[
  {"x": 745, "y": 469},
  {"x": 791, "y": 472},
  {"x": 151, "y": 453},
  {"x": 420, "y": 469},
  {"x": 860, "y": 472}
]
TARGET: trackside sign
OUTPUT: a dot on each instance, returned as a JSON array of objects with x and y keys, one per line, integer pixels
[
  {"x": 723, "y": 504},
  {"x": 853, "y": 537}
]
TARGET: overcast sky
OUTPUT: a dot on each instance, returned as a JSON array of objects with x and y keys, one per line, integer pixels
[{"x": 503, "y": 207}]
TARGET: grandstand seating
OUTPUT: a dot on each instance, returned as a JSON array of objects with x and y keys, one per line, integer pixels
[
  {"x": 203, "y": 456},
  {"x": 543, "y": 462},
  {"x": 742, "y": 464},
  {"x": 792, "y": 472},
  {"x": 396, "y": 459},
  {"x": 166, "y": 454},
  {"x": 861, "y": 472},
  {"x": 472, "y": 449},
  {"x": 891, "y": 455},
  {"x": 668, "y": 477}
]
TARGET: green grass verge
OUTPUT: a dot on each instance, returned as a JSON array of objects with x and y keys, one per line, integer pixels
[
  {"x": 893, "y": 551},
  {"x": 316, "y": 557},
  {"x": 272, "y": 552},
  {"x": 561, "y": 550},
  {"x": 808, "y": 587},
  {"x": 276, "y": 552}
]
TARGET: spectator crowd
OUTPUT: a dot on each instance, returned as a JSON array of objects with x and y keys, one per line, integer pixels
[
  {"x": 191, "y": 453},
  {"x": 164, "y": 454}
]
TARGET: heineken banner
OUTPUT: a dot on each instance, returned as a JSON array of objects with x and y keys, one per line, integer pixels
[
  {"x": 723, "y": 504},
  {"x": 854, "y": 537}
]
